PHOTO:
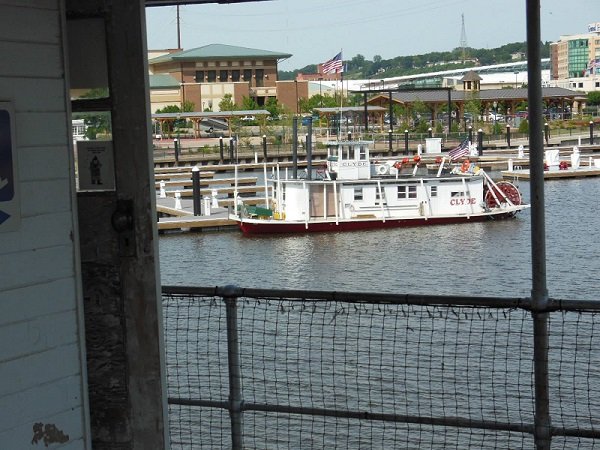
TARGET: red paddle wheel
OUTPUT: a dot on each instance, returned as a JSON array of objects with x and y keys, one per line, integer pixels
[{"x": 497, "y": 195}]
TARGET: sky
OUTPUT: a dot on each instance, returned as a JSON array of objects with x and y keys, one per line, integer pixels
[{"x": 313, "y": 31}]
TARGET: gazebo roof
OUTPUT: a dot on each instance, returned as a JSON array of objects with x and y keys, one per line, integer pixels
[{"x": 471, "y": 75}]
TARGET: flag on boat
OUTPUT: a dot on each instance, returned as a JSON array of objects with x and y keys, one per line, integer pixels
[
  {"x": 459, "y": 151},
  {"x": 334, "y": 65}
]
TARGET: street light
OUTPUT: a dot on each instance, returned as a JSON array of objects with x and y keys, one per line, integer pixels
[{"x": 297, "y": 108}]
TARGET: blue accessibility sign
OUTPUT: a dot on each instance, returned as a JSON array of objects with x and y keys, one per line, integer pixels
[{"x": 9, "y": 205}]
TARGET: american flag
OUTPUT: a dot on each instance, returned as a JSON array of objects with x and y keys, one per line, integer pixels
[
  {"x": 459, "y": 151},
  {"x": 334, "y": 65},
  {"x": 593, "y": 66}
]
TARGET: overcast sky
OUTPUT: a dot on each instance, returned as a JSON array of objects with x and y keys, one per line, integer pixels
[{"x": 315, "y": 30}]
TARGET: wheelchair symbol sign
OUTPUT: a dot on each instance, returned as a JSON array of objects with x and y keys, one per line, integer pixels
[{"x": 9, "y": 199}]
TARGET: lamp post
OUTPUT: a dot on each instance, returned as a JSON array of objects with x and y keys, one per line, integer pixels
[
  {"x": 320, "y": 93},
  {"x": 297, "y": 109}
]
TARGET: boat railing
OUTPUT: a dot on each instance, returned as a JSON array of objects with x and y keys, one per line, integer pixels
[{"x": 262, "y": 368}]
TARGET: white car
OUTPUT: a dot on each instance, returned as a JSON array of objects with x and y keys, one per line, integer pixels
[{"x": 248, "y": 118}]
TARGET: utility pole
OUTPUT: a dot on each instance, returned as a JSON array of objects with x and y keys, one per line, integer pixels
[{"x": 178, "y": 29}]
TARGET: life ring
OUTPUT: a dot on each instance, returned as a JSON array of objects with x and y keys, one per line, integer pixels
[
  {"x": 438, "y": 160},
  {"x": 404, "y": 160},
  {"x": 417, "y": 158},
  {"x": 398, "y": 165},
  {"x": 466, "y": 165},
  {"x": 382, "y": 170}
]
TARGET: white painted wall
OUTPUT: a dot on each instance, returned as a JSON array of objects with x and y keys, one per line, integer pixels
[{"x": 42, "y": 375}]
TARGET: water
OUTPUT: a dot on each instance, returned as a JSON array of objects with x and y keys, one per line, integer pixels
[
  {"x": 377, "y": 361},
  {"x": 490, "y": 258}
]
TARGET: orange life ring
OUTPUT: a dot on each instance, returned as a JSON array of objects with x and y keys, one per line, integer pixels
[
  {"x": 417, "y": 158},
  {"x": 404, "y": 160},
  {"x": 466, "y": 165},
  {"x": 398, "y": 165}
]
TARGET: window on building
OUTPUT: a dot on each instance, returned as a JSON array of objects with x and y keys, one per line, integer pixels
[
  {"x": 211, "y": 76},
  {"x": 199, "y": 76},
  {"x": 260, "y": 77},
  {"x": 223, "y": 74},
  {"x": 598, "y": 84},
  {"x": 247, "y": 74},
  {"x": 433, "y": 191},
  {"x": 235, "y": 75},
  {"x": 407, "y": 191},
  {"x": 580, "y": 85},
  {"x": 358, "y": 193}
]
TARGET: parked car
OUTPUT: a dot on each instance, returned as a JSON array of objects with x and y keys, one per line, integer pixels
[
  {"x": 248, "y": 119},
  {"x": 494, "y": 117}
]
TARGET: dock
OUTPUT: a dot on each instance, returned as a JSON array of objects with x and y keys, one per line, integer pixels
[
  {"x": 523, "y": 174},
  {"x": 183, "y": 219}
]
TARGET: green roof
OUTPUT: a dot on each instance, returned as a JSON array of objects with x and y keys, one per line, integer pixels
[
  {"x": 218, "y": 51},
  {"x": 163, "y": 81}
]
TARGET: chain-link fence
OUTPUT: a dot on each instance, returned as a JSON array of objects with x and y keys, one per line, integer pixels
[{"x": 265, "y": 369}]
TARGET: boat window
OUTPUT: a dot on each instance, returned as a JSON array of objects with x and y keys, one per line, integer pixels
[
  {"x": 362, "y": 153},
  {"x": 378, "y": 198},
  {"x": 433, "y": 191},
  {"x": 358, "y": 193},
  {"x": 409, "y": 191},
  {"x": 457, "y": 194}
]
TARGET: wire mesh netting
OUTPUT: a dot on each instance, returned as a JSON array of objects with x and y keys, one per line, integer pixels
[{"x": 350, "y": 374}]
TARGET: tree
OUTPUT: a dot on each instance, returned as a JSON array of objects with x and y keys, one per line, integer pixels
[
  {"x": 274, "y": 108},
  {"x": 593, "y": 98},
  {"x": 249, "y": 103},
  {"x": 226, "y": 103}
]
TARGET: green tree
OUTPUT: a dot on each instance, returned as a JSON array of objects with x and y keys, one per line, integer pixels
[
  {"x": 249, "y": 103},
  {"x": 226, "y": 103},
  {"x": 274, "y": 108},
  {"x": 593, "y": 98}
]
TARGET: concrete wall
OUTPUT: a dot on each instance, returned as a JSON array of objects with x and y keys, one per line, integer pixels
[{"x": 42, "y": 379}]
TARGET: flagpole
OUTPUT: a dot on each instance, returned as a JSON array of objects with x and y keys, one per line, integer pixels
[{"x": 342, "y": 94}]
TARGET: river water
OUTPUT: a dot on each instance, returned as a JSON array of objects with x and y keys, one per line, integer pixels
[{"x": 490, "y": 258}]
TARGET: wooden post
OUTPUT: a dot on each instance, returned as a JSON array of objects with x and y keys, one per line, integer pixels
[{"x": 119, "y": 253}]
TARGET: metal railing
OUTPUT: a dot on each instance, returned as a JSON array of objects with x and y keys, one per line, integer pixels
[{"x": 255, "y": 368}]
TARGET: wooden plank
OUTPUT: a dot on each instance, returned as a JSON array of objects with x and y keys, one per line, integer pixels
[
  {"x": 200, "y": 222},
  {"x": 39, "y": 231},
  {"x": 51, "y": 125},
  {"x": 555, "y": 174},
  {"x": 54, "y": 161},
  {"x": 40, "y": 403},
  {"x": 37, "y": 335},
  {"x": 41, "y": 300},
  {"x": 39, "y": 369},
  {"x": 210, "y": 182},
  {"x": 222, "y": 190},
  {"x": 42, "y": 25},
  {"x": 20, "y": 435},
  {"x": 172, "y": 211},
  {"x": 51, "y": 90},
  {"x": 45, "y": 197},
  {"x": 42, "y": 61},
  {"x": 37, "y": 266}
]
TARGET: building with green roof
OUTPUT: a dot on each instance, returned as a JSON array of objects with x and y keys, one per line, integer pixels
[{"x": 204, "y": 75}]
